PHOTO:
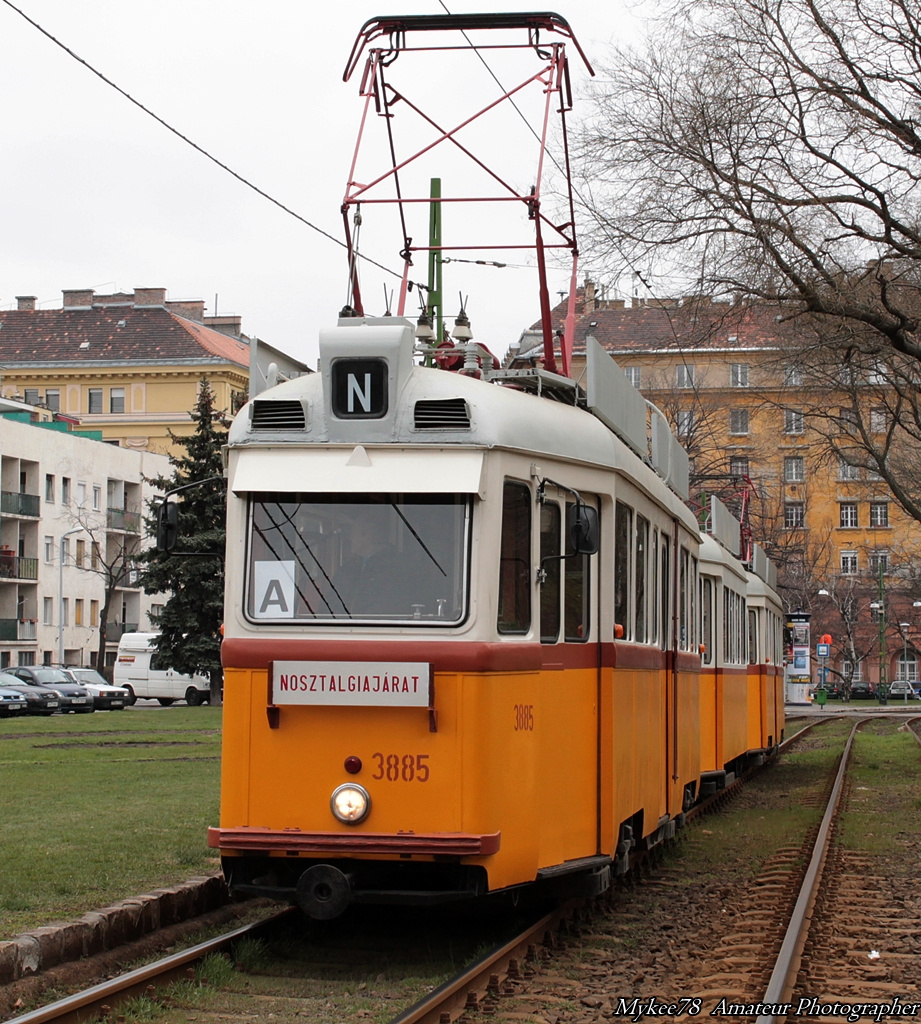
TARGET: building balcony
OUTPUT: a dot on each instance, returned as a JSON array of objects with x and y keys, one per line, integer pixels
[
  {"x": 14, "y": 567},
  {"x": 18, "y": 629},
  {"x": 12, "y": 503},
  {"x": 116, "y": 630},
  {"x": 119, "y": 519}
]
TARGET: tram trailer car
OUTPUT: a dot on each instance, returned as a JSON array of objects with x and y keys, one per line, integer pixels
[
  {"x": 442, "y": 677},
  {"x": 741, "y": 703}
]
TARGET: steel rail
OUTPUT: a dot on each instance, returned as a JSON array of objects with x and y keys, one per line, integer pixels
[
  {"x": 86, "y": 1005},
  {"x": 786, "y": 967},
  {"x": 466, "y": 989}
]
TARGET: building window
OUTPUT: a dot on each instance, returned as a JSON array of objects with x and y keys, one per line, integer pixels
[
  {"x": 907, "y": 670},
  {"x": 49, "y": 488},
  {"x": 53, "y": 399},
  {"x": 30, "y": 396},
  {"x": 848, "y": 519},
  {"x": 97, "y": 497},
  {"x": 48, "y": 611},
  {"x": 65, "y": 612},
  {"x": 848, "y": 563},
  {"x": 879, "y": 513},
  {"x": 792, "y": 421},
  {"x": 879, "y": 561},
  {"x": 81, "y": 494},
  {"x": 739, "y": 466},
  {"x": 94, "y": 613},
  {"x": 684, "y": 375},
  {"x": 852, "y": 670},
  {"x": 684, "y": 422},
  {"x": 794, "y": 515},
  {"x": 78, "y": 612},
  {"x": 81, "y": 553},
  {"x": 877, "y": 377},
  {"x": 793, "y": 377},
  {"x": 878, "y": 421},
  {"x": 738, "y": 421},
  {"x": 633, "y": 375},
  {"x": 116, "y": 400},
  {"x": 94, "y": 400},
  {"x": 65, "y": 490},
  {"x": 794, "y": 469},
  {"x": 846, "y": 471},
  {"x": 49, "y": 550},
  {"x": 738, "y": 375},
  {"x": 156, "y": 610},
  {"x": 847, "y": 420},
  {"x": 94, "y": 555}
]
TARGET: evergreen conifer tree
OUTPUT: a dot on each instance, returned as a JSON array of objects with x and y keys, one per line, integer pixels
[{"x": 190, "y": 622}]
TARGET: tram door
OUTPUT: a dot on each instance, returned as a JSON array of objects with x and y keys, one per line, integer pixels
[{"x": 569, "y": 637}]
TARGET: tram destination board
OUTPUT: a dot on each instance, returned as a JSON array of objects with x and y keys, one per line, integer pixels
[{"x": 362, "y": 683}]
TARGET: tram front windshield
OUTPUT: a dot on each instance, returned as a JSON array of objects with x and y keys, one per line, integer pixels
[{"x": 347, "y": 557}]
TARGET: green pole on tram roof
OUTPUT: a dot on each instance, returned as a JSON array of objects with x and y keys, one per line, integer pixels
[{"x": 434, "y": 304}]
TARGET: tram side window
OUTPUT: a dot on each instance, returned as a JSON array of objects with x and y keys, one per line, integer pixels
[
  {"x": 665, "y": 597},
  {"x": 576, "y": 597},
  {"x": 752, "y": 637},
  {"x": 642, "y": 548},
  {"x": 515, "y": 560},
  {"x": 623, "y": 528},
  {"x": 706, "y": 620},
  {"x": 550, "y": 532}
]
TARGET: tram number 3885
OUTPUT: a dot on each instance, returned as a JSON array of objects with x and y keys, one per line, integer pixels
[
  {"x": 401, "y": 767},
  {"x": 524, "y": 718}
]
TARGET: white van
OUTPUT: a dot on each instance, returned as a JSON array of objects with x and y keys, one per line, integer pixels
[{"x": 137, "y": 669}]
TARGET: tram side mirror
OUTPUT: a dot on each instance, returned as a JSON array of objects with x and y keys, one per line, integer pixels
[
  {"x": 167, "y": 525},
  {"x": 582, "y": 526}
]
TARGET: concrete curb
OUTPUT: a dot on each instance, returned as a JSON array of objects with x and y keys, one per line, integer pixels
[{"x": 110, "y": 927}]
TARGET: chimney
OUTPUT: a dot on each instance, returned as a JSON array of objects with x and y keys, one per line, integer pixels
[
  {"x": 145, "y": 297},
  {"x": 78, "y": 298},
  {"x": 26, "y": 302},
  {"x": 589, "y": 297},
  {"x": 232, "y": 326},
  {"x": 191, "y": 309}
]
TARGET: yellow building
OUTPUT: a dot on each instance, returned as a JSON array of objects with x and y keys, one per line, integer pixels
[
  {"x": 128, "y": 365},
  {"x": 768, "y": 432}
]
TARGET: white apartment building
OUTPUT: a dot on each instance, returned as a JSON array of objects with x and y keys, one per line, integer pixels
[{"x": 76, "y": 496}]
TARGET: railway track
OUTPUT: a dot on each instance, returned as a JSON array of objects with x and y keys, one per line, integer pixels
[{"x": 819, "y": 928}]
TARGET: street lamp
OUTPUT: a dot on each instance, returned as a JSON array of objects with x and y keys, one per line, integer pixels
[{"x": 70, "y": 533}]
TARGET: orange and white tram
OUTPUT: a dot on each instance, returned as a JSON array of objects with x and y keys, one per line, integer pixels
[
  {"x": 462, "y": 640},
  {"x": 462, "y": 637}
]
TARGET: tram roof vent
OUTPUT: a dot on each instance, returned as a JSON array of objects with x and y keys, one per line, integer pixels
[
  {"x": 278, "y": 415},
  {"x": 441, "y": 414}
]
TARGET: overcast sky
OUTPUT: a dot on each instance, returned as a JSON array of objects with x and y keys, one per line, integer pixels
[{"x": 97, "y": 195}]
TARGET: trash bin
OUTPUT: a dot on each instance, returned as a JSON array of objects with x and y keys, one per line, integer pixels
[{"x": 821, "y": 695}]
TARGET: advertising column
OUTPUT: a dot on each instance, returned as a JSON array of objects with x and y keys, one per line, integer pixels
[{"x": 797, "y": 670}]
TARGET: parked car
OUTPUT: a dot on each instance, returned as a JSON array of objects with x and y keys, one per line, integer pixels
[
  {"x": 39, "y": 699},
  {"x": 12, "y": 702},
  {"x": 73, "y": 696},
  {"x": 106, "y": 697},
  {"x": 903, "y": 690},
  {"x": 861, "y": 691}
]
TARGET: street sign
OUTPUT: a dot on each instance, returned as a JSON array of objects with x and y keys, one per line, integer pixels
[{"x": 822, "y": 650}]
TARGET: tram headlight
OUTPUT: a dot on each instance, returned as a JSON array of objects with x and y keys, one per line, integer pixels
[{"x": 350, "y": 803}]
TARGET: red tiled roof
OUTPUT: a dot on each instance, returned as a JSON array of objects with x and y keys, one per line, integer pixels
[
  {"x": 692, "y": 325},
  {"x": 111, "y": 334}
]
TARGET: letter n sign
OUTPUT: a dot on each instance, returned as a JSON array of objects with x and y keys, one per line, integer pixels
[{"x": 359, "y": 389}]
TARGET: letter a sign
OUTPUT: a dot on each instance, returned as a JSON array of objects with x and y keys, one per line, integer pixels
[
  {"x": 359, "y": 389},
  {"x": 273, "y": 590}
]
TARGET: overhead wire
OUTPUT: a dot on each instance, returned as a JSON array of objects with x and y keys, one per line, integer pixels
[{"x": 185, "y": 138}]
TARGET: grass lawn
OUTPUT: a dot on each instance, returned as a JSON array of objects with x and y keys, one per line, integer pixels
[{"x": 97, "y": 808}]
